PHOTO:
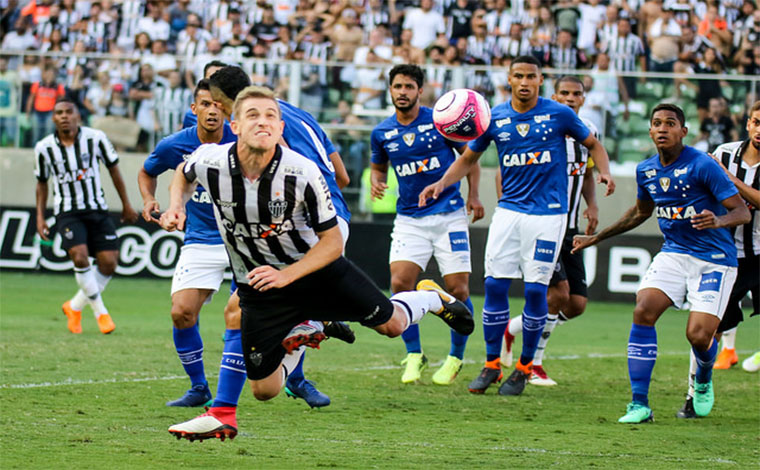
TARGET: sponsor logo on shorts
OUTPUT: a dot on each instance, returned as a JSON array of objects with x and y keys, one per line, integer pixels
[
  {"x": 111, "y": 237},
  {"x": 545, "y": 251},
  {"x": 710, "y": 281},
  {"x": 68, "y": 233},
  {"x": 255, "y": 357},
  {"x": 458, "y": 241}
]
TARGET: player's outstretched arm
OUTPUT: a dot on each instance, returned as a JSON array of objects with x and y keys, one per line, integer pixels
[
  {"x": 41, "y": 196},
  {"x": 180, "y": 191},
  {"x": 737, "y": 214},
  {"x": 632, "y": 218},
  {"x": 458, "y": 170},
  {"x": 325, "y": 251},
  {"x": 378, "y": 178},
  {"x": 128, "y": 214},
  {"x": 474, "y": 206},
  {"x": 602, "y": 161},
  {"x": 147, "y": 185},
  {"x": 588, "y": 190}
]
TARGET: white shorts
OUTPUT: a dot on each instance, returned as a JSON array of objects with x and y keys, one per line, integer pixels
[
  {"x": 200, "y": 267},
  {"x": 344, "y": 231},
  {"x": 524, "y": 245},
  {"x": 705, "y": 286},
  {"x": 444, "y": 236}
]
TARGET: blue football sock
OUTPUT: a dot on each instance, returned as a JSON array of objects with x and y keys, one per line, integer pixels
[
  {"x": 459, "y": 342},
  {"x": 534, "y": 318},
  {"x": 411, "y": 337},
  {"x": 642, "y": 353},
  {"x": 705, "y": 362},
  {"x": 189, "y": 346},
  {"x": 232, "y": 371},
  {"x": 296, "y": 375},
  {"x": 495, "y": 315}
]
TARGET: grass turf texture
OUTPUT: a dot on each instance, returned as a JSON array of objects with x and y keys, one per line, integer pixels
[{"x": 96, "y": 401}]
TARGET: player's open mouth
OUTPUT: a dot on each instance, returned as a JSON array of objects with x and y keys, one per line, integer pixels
[{"x": 662, "y": 139}]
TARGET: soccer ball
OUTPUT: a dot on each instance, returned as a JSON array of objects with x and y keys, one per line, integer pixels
[{"x": 461, "y": 115}]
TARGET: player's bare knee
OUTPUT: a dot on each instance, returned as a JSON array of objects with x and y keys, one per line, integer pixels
[
  {"x": 107, "y": 266},
  {"x": 262, "y": 392},
  {"x": 393, "y": 327},
  {"x": 183, "y": 316},
  {"x": 699, "y": 336},
  {"x": 232, "y": 317},
  {"x": 575, "y": 307},
  {"x": 79, "y": 258},
  {"x": 643, "y": 315},
  {"x": 400, "y": 283},
  {"x": 460, "y": 291}
]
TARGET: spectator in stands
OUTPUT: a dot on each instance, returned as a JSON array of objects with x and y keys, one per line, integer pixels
[
  {"x": 717, "y": 128},
  {"x": 10, "y": 84},
  {"x": 369, "y": 84},
  {"x": 119, "y": 104},
  {"x": 564, "y": 55},
  {"x": 179, "y": 17},
  {"x": 39, "y": 106},
  {"x": 194, "y": 70},
  {"x": 352, "y": 145},
  {"x": 265, "y": 30},
  {"x": 193, "y": 39},
  {"x": 514, "y": 45},
  {"x": 99, "y": 95},
  {"x": 663, "y": 36},
  {"x": 567, "y": 16},
  {"x": 141, "y": 50},
  {"x": 480, "y": 44},
  {"x": 425, "y": 24},
  {"x": 499, "y": 18},
  {"x": 346, "y": 36},
  {"x": 55, "y": 42},
  {"x": 715, "y": 28},
  {"x": 21, "y": 38},
  {"x": 76, "y": 89},
  {"x": 459, "y": 18},
  {"x": 413, "y": 55},
  {"x": 542, "y": 34},
  {"x": 172, "y": 102},
  {"x": 611, "y": 85},
  {"x": 142, "y": 94},
  {"x": 160, "y": 60},
  {"x": 607, "y": 29},
  {"x": 711, "y": 87},
  {"x": 624, "y": 50},
  {"x": 377, "y": 13},
  {"x": 592, "y": 14},
  {"x": 236, "y": 48},
  {"x": 154, "y": 24}
]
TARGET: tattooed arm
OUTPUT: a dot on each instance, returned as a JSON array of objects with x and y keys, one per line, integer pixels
[{"x": 632, "y": 218}]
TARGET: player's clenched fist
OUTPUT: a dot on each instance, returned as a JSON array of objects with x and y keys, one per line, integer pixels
[
  {"x": 582, "y": 241},
  {"x": 430, "y": 192},
  {"x": 172, "y": 220}
]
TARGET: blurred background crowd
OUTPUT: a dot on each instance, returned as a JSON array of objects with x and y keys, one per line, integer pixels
[{"x": 136, "y": 61}]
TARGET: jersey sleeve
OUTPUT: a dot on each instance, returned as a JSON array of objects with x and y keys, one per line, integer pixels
[
  {"x": 481, "y": 143},
  {"x": 158, "y": 161},
  {"x": 195, "y": 168},
  {"x": 716, "y": 179},
  {"x": 574, "y": 126},
  {"x": 641, "y": 192},
  {"x": 41, "y": 170},
  {"x": 319, "y": 205},
  {"x": 378, "y": 155},
  {"x": 106, "y": 152}
]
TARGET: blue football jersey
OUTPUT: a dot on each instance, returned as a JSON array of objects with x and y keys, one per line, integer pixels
[
  {"x": 532, "y": 154},
  {"x": 201, "y": 225},
  {"x": 420, "y": 156},
  {"x": 303, "y": 134},
  {"x": 681, "y": 190},
  {"x": 189, "y": 119}
]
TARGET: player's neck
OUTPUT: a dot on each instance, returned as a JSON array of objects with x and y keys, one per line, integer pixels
[
  {"x": 68, "y": 138},
  {"x": 524, "y": 106},
  {"x": 751, "y": 155},
  {"x": 407, "y": 117},
  {"x": 668, "y": 156},
  {"x": 207, "y": 137},
  {"x": 253, "y": 162}
]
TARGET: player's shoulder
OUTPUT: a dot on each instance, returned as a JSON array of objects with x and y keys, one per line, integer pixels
[
  {"x": 89, "y": 132},
  {"x": 728, "y": 147},
  {"x": 502, "y": 110},
  {"x": 591, "y": 126},
  {"x": 45, "y": 142},
  {"x": 211, "y": 154},
  {"x": 648, "y": 164},
  {"x": 386, "y": 129}
]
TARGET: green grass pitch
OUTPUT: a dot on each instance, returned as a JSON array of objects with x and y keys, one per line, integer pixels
[{"x": 95, "y": 401}]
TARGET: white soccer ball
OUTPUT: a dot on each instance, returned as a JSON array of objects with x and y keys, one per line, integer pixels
[{"x": 461, "y": 115}]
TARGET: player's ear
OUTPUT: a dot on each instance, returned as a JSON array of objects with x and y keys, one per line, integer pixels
[
  {"x": 684, "y": 130},
  {"x": 192, "y": 108},
  {"x": 234, "y": 126},
  {"x": 554, "y": 97},
  {"x": 541, "y": 80}
]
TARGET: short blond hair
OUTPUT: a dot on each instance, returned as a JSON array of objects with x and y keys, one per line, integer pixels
[{"x": 254, "y": 91}]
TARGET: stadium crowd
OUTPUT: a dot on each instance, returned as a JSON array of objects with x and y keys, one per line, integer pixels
[{"x": 162, "y": 47}]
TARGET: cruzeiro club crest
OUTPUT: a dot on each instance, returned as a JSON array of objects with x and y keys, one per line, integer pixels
[
  {"x": 409, "y": 138},
  {"x": 277, "y": 207},
  {"x": 665, "y": 183},
  {"x": 523, "y": 129}
]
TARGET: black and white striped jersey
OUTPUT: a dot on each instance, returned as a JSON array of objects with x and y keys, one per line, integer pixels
[
  {"x": 271, "y": 221},
  {"x": 624, "y": 51},
  {"x": 75, "y": 170},
  {"x": 747, "y": 236},
  {"x": 577, "y": 164}
]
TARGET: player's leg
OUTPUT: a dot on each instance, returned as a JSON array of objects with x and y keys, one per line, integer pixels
[
  {"x": 502, "y": 255},
  {"x": 185, "y": 309},
  {"x": 457, "y": 284},
  {"x": 540, "y": 244},
  {"x": 410, "y": 251},
  {"x": 404, "y": 276},
  {"x": 709, "y": 290}
]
